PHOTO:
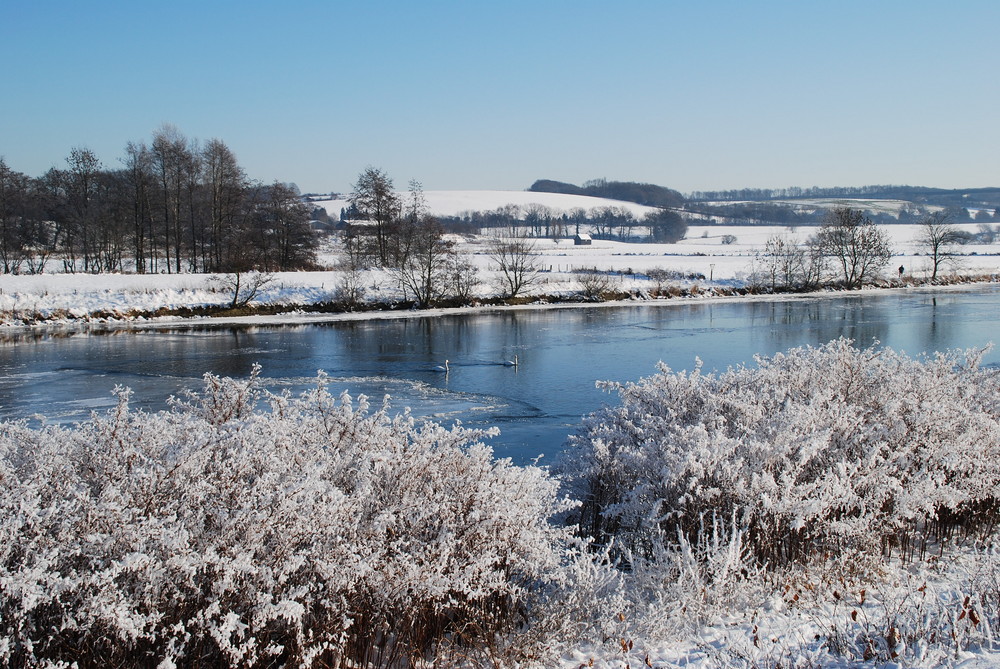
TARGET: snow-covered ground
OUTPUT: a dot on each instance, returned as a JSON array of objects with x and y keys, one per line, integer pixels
[{"x": 702, "y": 253}]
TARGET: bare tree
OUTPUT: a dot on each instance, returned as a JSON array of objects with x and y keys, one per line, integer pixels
[
  {"x": 280, "y": 230},
  {"x": 594, "y": 283},
  {"x": 138, "y": 175},
  {"x": 626, "y": 223},
  {"x": 81, "y": 183},
  {"x": 859, "y": 247},
  {"x": 170, "y": 156},
  {"x": 225, "y": 183},
  {"x": 782, "y": 261},
  {"x": 350, "y": 290},
  {"x": 602, "y": 221},
  {"x": 576, "y": 216},
  {"x": 377, "y": 203},
  {"x": 987, "y": 233},
  {"x": 464, "y": 277},
  {"x": 785, "y": 263},
  {"x": 939, "y": 238},
  {"x": 424, "y": 271},
  {"x": 409, "y": 226},
  {"x": 538, "y": 217},
  {"x": 13, "y": 196},
  {"x": 242, "y": 286},
  {"x": 515, "y": 258}
]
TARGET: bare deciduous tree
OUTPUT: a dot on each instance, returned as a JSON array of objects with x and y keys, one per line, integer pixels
[
  {"x": 515, "y": 258},
  {"x": 464, "y": 277},
  {"x": 785, "y": 263},
  {"x": 225, "y": 183},
  {"x": 377, "y": 202},
  {"x": 13, "y": 197},
  {"x": 939, "y": 238},
  {"x": 350, "y": 290},
  {"x": 424, "y": 269},
  {"x": 280, "y": 229},
  {"x": 781, "y": 262},
  {"x": 859, "y": 247},
  {"x": 243, "y": 286}
]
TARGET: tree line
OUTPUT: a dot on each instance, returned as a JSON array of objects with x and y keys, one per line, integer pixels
[
  {"x": 607, "y": 222},
  {"x": 790, "y": 214},
  {"x": 171, "y": 205},
  {"x": 851, "y": 250},
  {"x": 980, "y": 197}
]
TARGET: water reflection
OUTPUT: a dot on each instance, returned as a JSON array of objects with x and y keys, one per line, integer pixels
[{"x": 561, "y": 353}]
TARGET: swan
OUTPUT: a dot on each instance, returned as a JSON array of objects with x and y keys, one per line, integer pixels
[
  {"x": 511, "y": 363},
  {"x": 441, "y": 368}
]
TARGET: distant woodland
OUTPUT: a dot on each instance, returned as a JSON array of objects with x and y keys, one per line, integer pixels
[
  {"x": 978, "y": 197},
  {"x": 779, "y": 206},
  {"x": 627, "y": 191}
]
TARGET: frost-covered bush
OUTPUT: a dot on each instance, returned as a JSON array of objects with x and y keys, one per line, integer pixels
[
  {"x": 315, "y": 533},
  {"x": 814, "y": 452}
]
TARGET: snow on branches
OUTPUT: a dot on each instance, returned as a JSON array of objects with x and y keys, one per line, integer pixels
[
  {"x": 813, "y": 452},
  {"x": 314, "y": 532}
]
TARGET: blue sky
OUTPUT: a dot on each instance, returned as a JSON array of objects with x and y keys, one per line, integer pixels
[{"x": 493, "y": 95}]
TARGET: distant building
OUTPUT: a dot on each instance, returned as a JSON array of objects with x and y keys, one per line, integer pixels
[{"x": 582, "y": 240}]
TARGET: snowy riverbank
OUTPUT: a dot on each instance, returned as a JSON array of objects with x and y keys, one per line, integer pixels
[{"x": 700, "y": 266}]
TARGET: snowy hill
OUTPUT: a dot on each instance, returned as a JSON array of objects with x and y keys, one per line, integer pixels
[{"x": 455, "y": 202}]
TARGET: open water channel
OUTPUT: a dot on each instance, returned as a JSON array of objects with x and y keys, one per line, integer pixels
[{"x": 561, "y": 352}]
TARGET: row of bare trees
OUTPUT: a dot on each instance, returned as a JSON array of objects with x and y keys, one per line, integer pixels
[
  {"x": 174, "y": 205},
  {"x": 851, "y": 250},
  {"x": 610, "y": 222}
]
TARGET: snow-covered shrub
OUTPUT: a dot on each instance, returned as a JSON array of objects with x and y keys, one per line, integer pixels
[
  {"x": 932, "y": 614},
  {"x": 679, "y": 583},
  {"x": 317, "y": 532},
  {"x": 594, "y": 283},
  {"x": 814, "y": 452}
]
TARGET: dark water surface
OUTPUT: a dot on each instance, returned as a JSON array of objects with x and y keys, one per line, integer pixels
[{"x": 561, "y": 352}]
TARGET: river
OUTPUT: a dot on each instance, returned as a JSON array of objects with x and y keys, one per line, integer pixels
[{"x": 560, "y": 352}]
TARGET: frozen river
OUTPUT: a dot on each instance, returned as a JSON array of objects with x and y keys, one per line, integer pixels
[{"x": 561, "y": 352}]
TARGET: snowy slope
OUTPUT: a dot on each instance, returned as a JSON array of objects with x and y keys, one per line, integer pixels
[{"x": 455, "y": 202}]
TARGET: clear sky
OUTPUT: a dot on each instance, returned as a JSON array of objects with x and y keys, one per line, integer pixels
[{"x": 693, "y": 95}]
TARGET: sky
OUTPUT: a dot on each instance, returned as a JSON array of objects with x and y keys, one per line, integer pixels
[{"x": 694, "y": 95}]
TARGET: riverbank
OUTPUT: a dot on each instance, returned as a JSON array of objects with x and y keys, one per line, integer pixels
[
  {"x": 122, "y": 302},
  {"x": 713, "y": 262}
]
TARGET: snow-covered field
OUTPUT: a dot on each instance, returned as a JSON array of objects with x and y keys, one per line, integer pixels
[{"x": 702, "y": 253}]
